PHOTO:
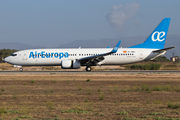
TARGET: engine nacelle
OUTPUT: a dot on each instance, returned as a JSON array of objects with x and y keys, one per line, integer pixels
[{"x": 70, "y": 64}]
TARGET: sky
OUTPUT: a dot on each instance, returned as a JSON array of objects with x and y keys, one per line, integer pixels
[{"x": 49, "y": 23}]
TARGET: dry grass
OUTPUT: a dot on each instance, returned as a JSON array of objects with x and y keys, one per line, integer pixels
[{"x": 103, "y": 97}]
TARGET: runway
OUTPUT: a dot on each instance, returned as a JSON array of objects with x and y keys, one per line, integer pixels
[{"x": 93, "y": 72}]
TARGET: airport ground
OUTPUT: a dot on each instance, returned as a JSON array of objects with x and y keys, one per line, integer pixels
[
  {"x": 164, "y": 66},
  {"x": 90, "y": 96}
]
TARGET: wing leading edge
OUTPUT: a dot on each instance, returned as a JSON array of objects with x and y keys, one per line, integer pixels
[{"x": 93, "y": 60}]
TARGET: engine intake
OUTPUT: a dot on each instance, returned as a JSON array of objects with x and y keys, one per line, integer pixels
[{"x": 70, "y": 64}]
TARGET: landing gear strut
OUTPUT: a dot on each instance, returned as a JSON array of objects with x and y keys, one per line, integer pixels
[
  {"x": 88, "y": 68},
  {"x": 20, "y": 69}
]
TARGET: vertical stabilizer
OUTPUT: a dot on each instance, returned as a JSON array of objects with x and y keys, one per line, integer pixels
[{"x": 157, "y": 38}]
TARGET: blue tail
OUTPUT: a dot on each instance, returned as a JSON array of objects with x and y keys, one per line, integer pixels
[{"x": 157, "y": 38}]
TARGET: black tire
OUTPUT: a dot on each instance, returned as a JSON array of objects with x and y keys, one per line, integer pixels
[
  {"x": 88, "y": 69},
  {"x": 20, "y": 69}
]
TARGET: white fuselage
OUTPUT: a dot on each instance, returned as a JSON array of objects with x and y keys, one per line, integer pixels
[{"x": 54, "y": 57}]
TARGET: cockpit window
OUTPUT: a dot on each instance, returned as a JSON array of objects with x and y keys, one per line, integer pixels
[{"x": 13, "y": 54}]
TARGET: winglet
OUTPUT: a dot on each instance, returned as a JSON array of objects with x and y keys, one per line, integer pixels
[{"x": 115, "y": 49}]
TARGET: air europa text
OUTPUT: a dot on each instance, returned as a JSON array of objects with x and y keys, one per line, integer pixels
[{"x": 44, "y": 54}]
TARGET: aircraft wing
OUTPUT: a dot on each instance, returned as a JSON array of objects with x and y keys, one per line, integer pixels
[
  {"x": 93, "y": 60},
  {"x": 162, "y": 50}
]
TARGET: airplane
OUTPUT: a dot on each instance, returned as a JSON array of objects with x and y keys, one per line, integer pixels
[{"x": 151, "y": 48}]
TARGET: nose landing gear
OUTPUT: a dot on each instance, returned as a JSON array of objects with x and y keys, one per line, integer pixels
[
  {"x": 88, "y": 68},
  {"x": 20, "y": 69}
]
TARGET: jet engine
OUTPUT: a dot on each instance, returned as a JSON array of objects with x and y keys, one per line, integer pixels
[{"x": 70, "y": 64}]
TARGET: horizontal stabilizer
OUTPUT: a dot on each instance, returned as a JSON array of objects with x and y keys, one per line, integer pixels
[{"x": 165, "y": 49}]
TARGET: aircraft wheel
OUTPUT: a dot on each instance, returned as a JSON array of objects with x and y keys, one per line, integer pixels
[
  {"x": 20, "y": 69},
  {"x": 88, "y": 68}
]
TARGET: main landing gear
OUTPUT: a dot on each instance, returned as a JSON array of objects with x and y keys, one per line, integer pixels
[
  {"x": 20, "y": 69},
  {"x": 88, "y": 68}
]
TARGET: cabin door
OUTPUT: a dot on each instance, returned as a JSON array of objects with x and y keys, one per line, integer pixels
[
  {"x": 24, "y": 55},
  {"x": 140, "y": 54}
]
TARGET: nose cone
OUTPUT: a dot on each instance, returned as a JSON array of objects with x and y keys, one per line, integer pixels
[{"x": 7, "y": 59}]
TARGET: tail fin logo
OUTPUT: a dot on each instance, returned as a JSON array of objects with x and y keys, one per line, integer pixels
[{"x": 159, "y": 36}]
